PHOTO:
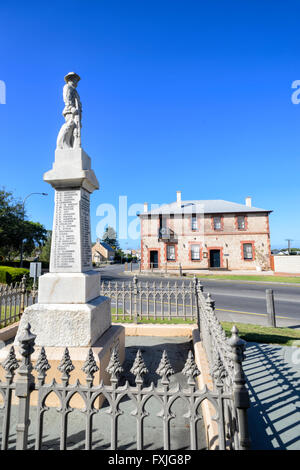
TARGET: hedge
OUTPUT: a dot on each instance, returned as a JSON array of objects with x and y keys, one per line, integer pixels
[
  {"x": 26, "y": 264},
  {"x": 10, "y": 275}
]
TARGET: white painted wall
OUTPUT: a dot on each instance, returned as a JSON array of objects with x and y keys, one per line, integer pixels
[{"x": 287, "y": 264}]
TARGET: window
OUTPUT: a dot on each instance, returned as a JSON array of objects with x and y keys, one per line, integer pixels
[
  {"x": 195, "y": 252},
  {"x": 217, "y": 223},
  {"x": 194, "y": 223},
  {"x": 171, "y": 252},
  {"x": 241, "y": 222},
  {"x": 248, "y": 251}
]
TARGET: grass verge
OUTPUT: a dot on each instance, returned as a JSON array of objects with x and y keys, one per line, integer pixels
[
  {"x": 249, "y": 277},
  {"x": 247, "y": 331},
  {"x": 264, "y": 334}
]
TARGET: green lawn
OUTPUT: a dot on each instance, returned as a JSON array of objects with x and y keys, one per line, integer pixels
[
  {"x": 249, "y": 277},
  {"x": 14, "y": 314},
  {"x": 264, "y": 334},
  {"x": 153, "y": 320},
  {"x": 248, "y": 332}
]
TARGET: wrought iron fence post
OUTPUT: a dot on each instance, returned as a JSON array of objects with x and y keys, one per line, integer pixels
[
  {"x": 139, "y": 369},
  {"x": 165, "y": 370},
  {"x": 135, "y": 294},
  {"x": 24, "y": 385},
  {"x": 195, "y": 290},
  {"x": 199, "y": 291},
  {"x": 23, "y": 293},
  {"x": 210, "y": 306},
  {"x": 9, "y": 365},
  {"x": 240, "y": 392},
  {"x": 34, "y": 291},
  {"x": 114, "y": 369}
]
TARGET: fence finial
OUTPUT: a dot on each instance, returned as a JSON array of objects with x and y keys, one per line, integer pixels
[
  {"x": 237, "y": 344},
  {"x": 27, "y": 344},
  {"x": 209, "y": 302},
  {"x": 139, "y": 367},
  {"x": 114, "y": 367},
  {"x": 164, "y": 369},
  {"x": 190, "y": 369},
  {"x": 42, "y": 364},
  {"x": 66, "y": 365},
  {"x": 10, "y": 364},
  {"x": 90, "y": 366}
]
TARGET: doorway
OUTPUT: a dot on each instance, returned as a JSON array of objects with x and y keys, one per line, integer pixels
[
  {"x": 154, "y": 258},
  {"x": 214, "y": 259}
]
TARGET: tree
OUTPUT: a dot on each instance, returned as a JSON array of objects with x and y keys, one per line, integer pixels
[
  {"x": 14, "y": 228},
  {"x": 110, "y": 237},
  {"x": 46, "y": 248}
]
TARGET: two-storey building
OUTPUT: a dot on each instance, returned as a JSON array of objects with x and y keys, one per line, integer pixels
[{"x": 205, "y": 234}]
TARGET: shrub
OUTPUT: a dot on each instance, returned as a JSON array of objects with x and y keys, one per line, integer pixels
[
  {"x": 10, "y": 275},
  {"x": 26, "y": 264}
]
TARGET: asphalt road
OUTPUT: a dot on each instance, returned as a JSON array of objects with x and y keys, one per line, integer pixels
[{"x": 237, "y": 301}]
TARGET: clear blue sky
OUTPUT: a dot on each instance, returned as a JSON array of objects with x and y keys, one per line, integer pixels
[{"x": 177, "y": 95}]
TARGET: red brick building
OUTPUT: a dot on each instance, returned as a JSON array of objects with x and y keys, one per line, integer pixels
[{"x": 205, "y": 234}]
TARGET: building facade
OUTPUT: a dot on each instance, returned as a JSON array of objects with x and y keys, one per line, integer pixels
[
  {"x": 101, "y": 251},
  {"x": 207, "y": 234}
]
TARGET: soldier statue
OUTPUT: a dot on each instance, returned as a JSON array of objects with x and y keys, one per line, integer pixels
[{"x": 69, "y": 136}]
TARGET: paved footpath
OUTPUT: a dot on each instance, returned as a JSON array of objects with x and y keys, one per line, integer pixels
[{"x": 273, "y": 375}]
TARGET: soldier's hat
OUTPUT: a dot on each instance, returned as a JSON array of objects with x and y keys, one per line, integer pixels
[{"x": 72, "y": 75}]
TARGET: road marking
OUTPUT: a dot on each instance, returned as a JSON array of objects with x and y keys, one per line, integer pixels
[{"x": 252, "y": 313}]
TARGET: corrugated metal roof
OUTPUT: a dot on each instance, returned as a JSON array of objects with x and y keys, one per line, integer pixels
[
  {"x": 107, "y": 246},
  {"x": 217, "y": 206}
]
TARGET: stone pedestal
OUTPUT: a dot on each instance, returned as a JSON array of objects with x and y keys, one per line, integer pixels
[
  {"x": 68, "y": 325},
  {"x": 70, "y": 312}
]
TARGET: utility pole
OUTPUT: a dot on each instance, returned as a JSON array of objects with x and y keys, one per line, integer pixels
[{"x": 289, "y": 240}]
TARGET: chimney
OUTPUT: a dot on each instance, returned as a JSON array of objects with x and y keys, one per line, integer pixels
[
  {"x": 145, "y": 206},
  {"x": 178, "y": 198},
  {"x": 248, "y": 201}
]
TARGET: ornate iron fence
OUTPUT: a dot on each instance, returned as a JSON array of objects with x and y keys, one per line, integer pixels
[
  {"x": 225, "y": 358},
  {"x": 14, "y": 298},
  {"x": 139, "y": 300},
  {"x": 22, "y": 384}
]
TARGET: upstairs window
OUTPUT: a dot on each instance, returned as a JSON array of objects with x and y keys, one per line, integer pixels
[
  {"x": 171, "y": 252},
  {"x": 195, "y": 252},
  {"x": 194, "y": 223},
  {"x": 217, "y": 223},
  {"x": 248, "y": 251},
  {"x": 241, "y": 222}
]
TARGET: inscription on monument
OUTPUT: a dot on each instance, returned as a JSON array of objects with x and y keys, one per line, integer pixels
[
  {"x": 86, "y": 251},
  {"x": 65, "y": 243},
  {"x": 71, "y": 249}
]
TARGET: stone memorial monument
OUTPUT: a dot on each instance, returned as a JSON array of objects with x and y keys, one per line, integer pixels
[{"x": 70, "y": 312}]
